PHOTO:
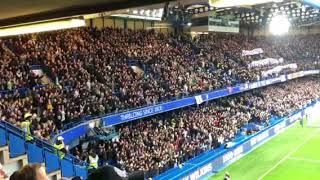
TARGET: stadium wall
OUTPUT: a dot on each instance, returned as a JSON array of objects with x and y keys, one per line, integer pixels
[{"x": 212, "y": 161}]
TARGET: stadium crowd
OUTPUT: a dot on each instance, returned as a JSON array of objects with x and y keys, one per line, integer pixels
[
  {"x": 156, "y": 144},
  {"x": 92, "y": 75},
  {"x": 15, "y": 72}
]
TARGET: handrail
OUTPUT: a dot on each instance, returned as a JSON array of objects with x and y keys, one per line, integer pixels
[{"x": 40, "y": 143}]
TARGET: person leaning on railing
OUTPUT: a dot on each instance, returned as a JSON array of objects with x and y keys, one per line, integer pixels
[{"x": 60, "y": 147}]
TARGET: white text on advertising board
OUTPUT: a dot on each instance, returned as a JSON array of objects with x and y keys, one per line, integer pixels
[
  {"x": 141, "y": 113},
  {"x": 280, "y": 127},
  {"x": 198, "y": 173},
  {"x": 232, "y": 154},
  {"x": 259, "y": 138}
]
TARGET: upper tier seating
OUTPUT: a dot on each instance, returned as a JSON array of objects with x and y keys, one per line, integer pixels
[{"x": 92, "y": 74}]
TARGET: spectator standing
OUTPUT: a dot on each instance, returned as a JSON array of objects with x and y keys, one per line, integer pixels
[
  {"x": 26, "y": 125},
  {"x": 60, "y": 147}
]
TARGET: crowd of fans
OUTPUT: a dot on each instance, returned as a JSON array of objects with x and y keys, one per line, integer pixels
[
  {"x": 92, "y": 75},
  {"x": 156, "y": 144},
  {"x": 15, "y": 72}
]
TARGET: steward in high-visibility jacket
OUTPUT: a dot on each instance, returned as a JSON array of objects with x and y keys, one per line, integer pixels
[
  {"x": 25, "y": 126},
  {"x": 93, "y": 161},
  {"x": 60, "y": 147}
]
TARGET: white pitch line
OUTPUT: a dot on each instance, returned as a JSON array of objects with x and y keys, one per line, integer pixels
[
  {"x": 305, "y": 159},
  {"x": 289, "y": 154}
]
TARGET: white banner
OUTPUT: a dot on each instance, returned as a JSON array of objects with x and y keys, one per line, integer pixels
[
  {"x": 264, "y": 62},
  {"x": 199, "y": 99},
  {"x": 37, "y": 72},
  {"x": 279, "y": 69},
  {"x": 252, "y": 52}
]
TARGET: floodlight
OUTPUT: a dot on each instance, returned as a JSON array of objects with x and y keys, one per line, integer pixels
[
  {"x": 279, "y": 25},
  {"x": 141, "y": 12},
  {"x": 147, "y": 12},
  {"x": 41, "y": 27}
]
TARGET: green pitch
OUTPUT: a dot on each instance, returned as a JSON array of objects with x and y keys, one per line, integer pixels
[{"x": 292, "y": 155}]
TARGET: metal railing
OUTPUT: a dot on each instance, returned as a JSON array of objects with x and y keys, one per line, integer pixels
[{"x": 43, "y": 145}]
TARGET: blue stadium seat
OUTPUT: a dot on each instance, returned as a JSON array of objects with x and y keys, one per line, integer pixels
[{"x": 39, "y": 151}]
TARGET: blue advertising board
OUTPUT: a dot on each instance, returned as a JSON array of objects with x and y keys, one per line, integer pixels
[
  {"x": 147, "y": 111},
  {"x": 180, "y": 103}
]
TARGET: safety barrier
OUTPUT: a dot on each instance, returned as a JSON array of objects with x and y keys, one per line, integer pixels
[
  {"x": 39, "y": 151},
  {"x": 214, "y": 160}
]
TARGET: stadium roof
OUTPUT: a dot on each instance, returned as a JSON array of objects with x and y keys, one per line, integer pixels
[
  {"x": 298, "y": 12},
  {"x": 22, "y": 11}
]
